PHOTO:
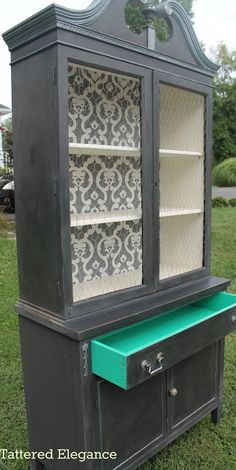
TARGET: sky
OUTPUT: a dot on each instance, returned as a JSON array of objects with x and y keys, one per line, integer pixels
[{"x": 214, "y": 22}]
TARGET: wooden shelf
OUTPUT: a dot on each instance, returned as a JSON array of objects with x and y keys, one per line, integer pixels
[
  {"x": 104, "y": 217},
  {"x": 106, "y": 150},
  {"x": 179, "y": 153},
  {"x": 122, "y": 216},
  {"x": 173, "y": 212}
]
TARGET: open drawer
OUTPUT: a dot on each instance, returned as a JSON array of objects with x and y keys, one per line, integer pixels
[{"x": 131, "y": 355}]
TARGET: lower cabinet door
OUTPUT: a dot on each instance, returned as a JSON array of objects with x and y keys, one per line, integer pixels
[
  {"x": 130, "y": 420},
  {"x": 193, "y": 385}
]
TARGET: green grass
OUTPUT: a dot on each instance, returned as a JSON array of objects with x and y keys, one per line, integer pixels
[
  {"x": 224, "y": 244},
  {"x": 12, "y": 410},
  {"x": 204, "y": 447},
  {"x": 6, "y": 228}
]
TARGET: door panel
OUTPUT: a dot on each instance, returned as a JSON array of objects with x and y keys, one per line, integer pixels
[
  {"x": 193, "y": 384},
  {"x": 130, "y": 420},
  {"x": 181, "y": 176}
]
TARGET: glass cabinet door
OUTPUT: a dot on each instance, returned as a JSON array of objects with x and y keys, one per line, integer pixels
[
  {"x": 105, "y": 181},
  {"x": 182, "y": 130}
]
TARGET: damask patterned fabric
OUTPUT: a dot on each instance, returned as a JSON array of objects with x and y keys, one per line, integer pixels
[
  {"x": 104, "y": 109},
  {"x": 105, "y": 250},
  {"x": 99, "y": 183}
]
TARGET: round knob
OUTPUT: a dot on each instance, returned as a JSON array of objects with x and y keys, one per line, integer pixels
[
  {"x": 160, "y": 357},
  {"x": 145, "y": 365},
  {"x": 234, "y": 319},
  {"x": 173, "y": 392}
]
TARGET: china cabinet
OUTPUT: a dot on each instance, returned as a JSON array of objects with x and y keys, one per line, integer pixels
[{"x": 122, "y": 324}]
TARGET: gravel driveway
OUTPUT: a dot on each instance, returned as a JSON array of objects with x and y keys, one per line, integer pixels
[{"x": 227, "y": 193}]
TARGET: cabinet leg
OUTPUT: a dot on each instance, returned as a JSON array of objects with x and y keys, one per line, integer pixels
[
  {"x": 36, "y": 465},
  {"x": 216, "y": 414}
]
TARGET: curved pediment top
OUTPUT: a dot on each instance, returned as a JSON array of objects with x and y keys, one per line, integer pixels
[
  {"x": 107, "y": 17},
  {"x": 83, "y": 17},
  {"x": 185, "y": 24}
]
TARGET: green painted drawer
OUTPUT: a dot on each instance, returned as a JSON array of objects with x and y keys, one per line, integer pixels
[{"x": 131, "y": 355}]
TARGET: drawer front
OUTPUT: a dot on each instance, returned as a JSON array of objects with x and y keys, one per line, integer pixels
[{"x": 152, "y": 361}]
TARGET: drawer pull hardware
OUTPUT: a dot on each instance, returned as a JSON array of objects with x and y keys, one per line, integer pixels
[
  {"x": 234, "y": 319},
  {"x": 148, "y": 367},
  {"x": 173, "y": 392}
]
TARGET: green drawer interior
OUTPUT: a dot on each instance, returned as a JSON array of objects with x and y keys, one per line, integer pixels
[{"x": 110, "y": 351}]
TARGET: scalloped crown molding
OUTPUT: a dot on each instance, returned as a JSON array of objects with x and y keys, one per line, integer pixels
[
  {"x": 56, "y": 16},
  {"x": 182, "y": 18}
]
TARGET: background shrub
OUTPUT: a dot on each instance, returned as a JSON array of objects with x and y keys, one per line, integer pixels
[
  {"x": 220, "y": 202},
  {"x": 232, "y": 202},
  {"x": 224, "y": 174},
  {"x": 5, "y": 170}
]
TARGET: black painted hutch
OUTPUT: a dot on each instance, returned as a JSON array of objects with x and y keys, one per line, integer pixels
[{"x": 122, "y": 325}]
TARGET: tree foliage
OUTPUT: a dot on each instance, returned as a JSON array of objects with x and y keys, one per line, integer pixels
[
  {"x": 7, "y": 138},
  {"x": 224, "y": 111},
  {"x": 226, "y": 59},
  {"x": 136, "y": 21}
]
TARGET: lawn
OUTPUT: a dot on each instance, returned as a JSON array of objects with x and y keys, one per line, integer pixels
[{"x": 204, "y": 447}]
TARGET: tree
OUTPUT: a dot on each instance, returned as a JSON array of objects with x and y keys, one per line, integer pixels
[
  {"x": 136, "y": 21},
  {"x": 224, "y": 108},
  {"x": 7, "y": 140},
  {"x": 226, "y": 59},
  {"x": 224, "y": 119}
]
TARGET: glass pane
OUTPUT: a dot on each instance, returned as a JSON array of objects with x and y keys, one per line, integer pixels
[
  {"x": 182, "y": 117},
  {"x": 105, "y": 181}
]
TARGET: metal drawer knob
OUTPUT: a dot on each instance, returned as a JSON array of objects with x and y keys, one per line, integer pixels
[
  {"x": 234, "y": 319},
  {"x": 173, "y": 392},
  {"x": 148, "y": 367}
]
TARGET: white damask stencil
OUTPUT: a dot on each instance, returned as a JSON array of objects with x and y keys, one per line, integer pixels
[
  {"x": 104, "y": 108},
  {"x": 105, "y": 251},
  {"x": 99, "y": 184}
]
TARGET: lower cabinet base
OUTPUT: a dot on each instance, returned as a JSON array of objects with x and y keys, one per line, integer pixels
[
  {"x": 151, "y": 451},
  {"x": 139, "y": 422},
  {"x": 70, "y": 408}
]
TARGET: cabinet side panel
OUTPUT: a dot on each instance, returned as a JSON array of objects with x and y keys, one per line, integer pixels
[
  {"x": 51, "y": 367},
  {"x": 35, "y": 131}
]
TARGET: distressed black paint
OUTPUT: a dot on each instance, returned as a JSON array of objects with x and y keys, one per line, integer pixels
[{"x": 66, "y": 405}]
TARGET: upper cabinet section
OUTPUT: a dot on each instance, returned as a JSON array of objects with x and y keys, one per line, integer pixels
[{"x": 126, "y": 150}]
